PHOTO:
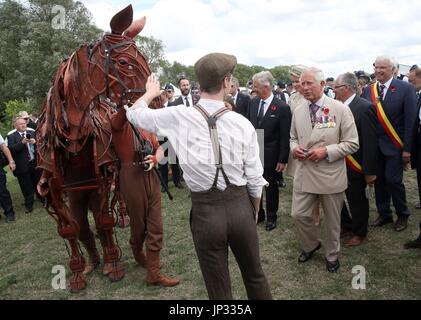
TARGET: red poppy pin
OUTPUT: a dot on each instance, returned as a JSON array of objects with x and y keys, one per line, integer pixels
[
  {"x": 273, "y": 108},
  {"x": 325, "y": 110},
  {"x": 392, "y": 88}
]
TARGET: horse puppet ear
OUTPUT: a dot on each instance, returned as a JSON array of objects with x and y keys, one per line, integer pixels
[
  {"x": 135, "y": 28},
  {"x": 122, "y": 20}
]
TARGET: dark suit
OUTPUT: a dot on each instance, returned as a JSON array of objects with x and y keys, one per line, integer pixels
[
  {"x": 175, "y": 167},
  {"x": 365, "y": 118},
  {"x": 399, "y": 106},
  {"x": 26, "y": 172},
  {"x": 416, "y": 147},
  {"x": 242, "y": 103},
  {"x": 276, "y": 124}
]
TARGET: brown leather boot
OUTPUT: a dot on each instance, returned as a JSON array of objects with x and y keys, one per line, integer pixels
[
  {"x": 93, "y": 256},
  {"x": 154, "y": 277},
  {"x": 138, "y": 254}
]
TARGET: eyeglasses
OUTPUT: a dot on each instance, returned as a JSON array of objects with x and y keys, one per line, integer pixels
[
  {"x": 336, "y": 87},
  {"x": 169, "y": 91}
]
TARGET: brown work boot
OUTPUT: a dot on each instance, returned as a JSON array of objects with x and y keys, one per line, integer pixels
[
  {"x": 154, "y": 277},
  {"x": 138, "y": 254},
  {"x": 93, "y": 256}
]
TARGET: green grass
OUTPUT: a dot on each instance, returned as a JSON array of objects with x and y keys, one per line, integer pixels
[{"x": 30, "y": 247}]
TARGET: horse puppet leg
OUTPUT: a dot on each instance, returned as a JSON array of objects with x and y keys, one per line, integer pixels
[
  {"x": 105, "y": 223},
  {"x": 69, "y": 229}
]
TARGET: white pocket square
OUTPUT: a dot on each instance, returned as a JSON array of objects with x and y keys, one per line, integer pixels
[{"x": 272, "y": 116}]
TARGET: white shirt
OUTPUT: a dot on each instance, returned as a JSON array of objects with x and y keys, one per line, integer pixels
[
  {"x": 31, "y": 149},
  {"x": 235, "y": 97},
  {"x": 189, "y": 97},
  {"x": 2, "y": 140},
  {"x": 319, "y": 103},
  {"x": 268, "y": 101},
  {"x": 347, "y": 102},
  {"x": 188, "y": 133},
  {"x": 387, "y": 85}
]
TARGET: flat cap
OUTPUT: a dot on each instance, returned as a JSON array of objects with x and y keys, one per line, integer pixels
[{"x": 211, "y": 69}]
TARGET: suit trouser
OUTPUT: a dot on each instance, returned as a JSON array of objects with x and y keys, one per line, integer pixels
[
  {"x": 175, "y": 166},
  {"x": 272, "y": 193},
  {"x": 389, "y": 184},
  {"x": 5, "y": 199},
  {"x": 222, "y": 219},
  {"x": 358, "y": 205},
  {"x": 418, "y": 164},
  {"x": 27, "y": 188},
  {"x": 308, "y": 232},
  {"x": 176, "y": 173},
  {"x": 35, "y": 176},
  {"x": 163, "y": 167},
  {"x": 140, "y": 191}
]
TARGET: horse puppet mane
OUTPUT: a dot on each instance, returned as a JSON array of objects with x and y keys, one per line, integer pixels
[{"x": 73, "y": 112}]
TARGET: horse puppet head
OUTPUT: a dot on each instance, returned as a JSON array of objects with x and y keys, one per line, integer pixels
[{"x": 108, "y": 74}]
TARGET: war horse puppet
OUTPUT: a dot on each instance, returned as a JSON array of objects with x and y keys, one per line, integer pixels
[{"x": 74, "y": 141}]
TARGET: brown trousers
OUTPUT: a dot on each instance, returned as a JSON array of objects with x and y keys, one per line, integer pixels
[
  {"x": 142, "y": 195},
  {"x": 222, "y": 219}
]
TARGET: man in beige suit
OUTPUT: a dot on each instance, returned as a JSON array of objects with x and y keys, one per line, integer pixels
[{"x": 323, "y": 133}]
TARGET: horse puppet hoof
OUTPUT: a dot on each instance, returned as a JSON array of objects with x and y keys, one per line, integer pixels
[
  {"x": 115, "y": 273},
  {"x": 77, "y": 283}
]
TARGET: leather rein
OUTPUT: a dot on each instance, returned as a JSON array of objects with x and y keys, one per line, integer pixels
[{"x": 110, "y": 66}]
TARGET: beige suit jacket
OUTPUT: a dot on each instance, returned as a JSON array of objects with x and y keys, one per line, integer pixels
[{"x": 328, "y": 176}]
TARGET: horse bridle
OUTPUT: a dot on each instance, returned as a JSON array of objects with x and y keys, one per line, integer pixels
[{"x": 108, "y": 62}]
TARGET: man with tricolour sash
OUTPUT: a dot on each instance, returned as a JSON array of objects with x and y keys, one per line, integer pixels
[{"x": 395, "y": 103}]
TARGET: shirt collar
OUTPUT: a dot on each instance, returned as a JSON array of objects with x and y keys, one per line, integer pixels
[
  {"x": 211, "y": 105},
  {"x": 320, "y": 102},
  {"x": 350, "y": 99},
  {"x": 388, "y": 83},
  {"x": 268, "y": 101}
]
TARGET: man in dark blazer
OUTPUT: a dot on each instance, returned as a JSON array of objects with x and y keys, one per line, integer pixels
[
  {"x": 398, "y": 101},
  {"x": 241, "y": 100},
  {"x": 416, "y": 150},
  {"x": 186, "y": 99},
  {"x": 21, "y": 143},
  {"x": 362, "y": 165},
  {"x": 273, "y": 116}
]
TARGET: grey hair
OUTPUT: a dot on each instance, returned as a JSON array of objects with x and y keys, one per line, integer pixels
[
  {"x": 265, "y": 78},
  {"x": 350, "y": 80},
  {"x": 393, "y": 62},
  {"x": 235, "y": 81},
  {"x": 318, "y": 74}
]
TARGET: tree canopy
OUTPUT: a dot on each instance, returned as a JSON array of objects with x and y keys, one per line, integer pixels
[{"x": 31, "y": 49}]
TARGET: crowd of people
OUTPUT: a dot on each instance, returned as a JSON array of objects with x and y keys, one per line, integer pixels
[
  {"x": 343, "y": 141},
  {"x": 19, "y": 149}
]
